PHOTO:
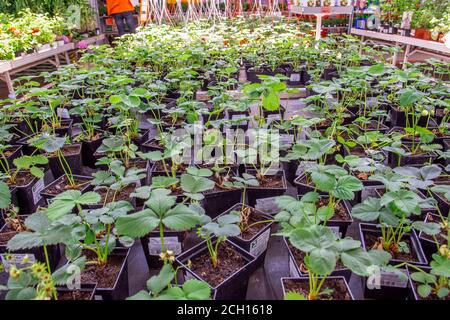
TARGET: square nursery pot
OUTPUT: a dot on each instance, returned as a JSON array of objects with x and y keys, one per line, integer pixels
[
  {"x": 398, "y": 119},
  {"x": 86, "y": 292},
  {"x": 372, "y": 230},
  {"x": 373, "y": 125},
  {"x": 303, "y": 187},
  {"x": 429, "y": 245},
  {"x": 345, "y": 293},
  {"x": 65, "y": 129},
  {"x": 443, "y": 203},
  {"x": 386, "y": 286},
  {"x": 88, "y": 148},
  {"x": 256, "y": 245},
  {"x": 151, "y": 244},
  {"x": 152, "y": 145},
  {"x": 413, "y": 295},
  {"x": 234, "y": 286},
  {"x": 218, "y": 201},
  {"x": 254, "y": 193},
  {"x": 236, "y": 115},
  {"x": 295, "y": 271},
  {"x": 58, "y": 186},
  {"x": 28, "y": 195},
  {"x": 27, "y": 148},
  {"x": 425, "y": 207},
  {"x": 423, "y": 159},
  {"x": 119, "y": 290},
  {"x": 72, "y": 154},
  {"x": 11, "y": 153},
  {"x": 35, "y": 254}
]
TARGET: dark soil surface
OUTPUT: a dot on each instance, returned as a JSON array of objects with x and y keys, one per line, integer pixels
[
  {"x": 23, "y": 178},
  {"x": 271, "y": 182},
  {"x": 441, "y": 236},
  {"x": 340, "y": 290},
  {"x": 253, "y": 218},
  {"x": 373, "y": 242},
  {"x": 159, "y": 167},
  {"x": 75, "y": 295},
  {"x": 230, "y": 261},
  {"x": 122, "y": 195},
  {"x": 67, "y": 150},
  {"x": 340, "y": 213},
  {"x": 62, "y": 186},
  {"x": 105, "y": 276}
]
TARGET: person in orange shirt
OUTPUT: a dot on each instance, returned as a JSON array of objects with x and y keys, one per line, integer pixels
[{"x": 122, "y": 11}]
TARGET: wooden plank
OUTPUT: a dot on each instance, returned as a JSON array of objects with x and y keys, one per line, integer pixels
[
  {"x": 40, "y": 56},
  {"x": 431, "y": 45},
  {"x": 203, "y": 95},
  {"x": 322, "y": 10},
  {"x": 5, "y": 66},
  {"x": 95, "y": 39}
]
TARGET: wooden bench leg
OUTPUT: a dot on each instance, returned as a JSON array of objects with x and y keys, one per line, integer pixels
[{"x": 9, "y": 84}]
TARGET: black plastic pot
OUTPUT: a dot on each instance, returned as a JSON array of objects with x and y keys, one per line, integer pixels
[
  {"x": 88, "y": 149},
  {"x": 232, "y": 288},
  {"x": 27, "y": 149},
  {"x": 427, "y": 158},
  {"x": 66, "y": 128},
  {"x": 84, "y": 288},
  {"x": 257, "y": 245},
  {"x": 151, "y": 244},
  {"x": 29, "y": 196},
  {"x": 49, "y": 196},
  {"x": 306, "y": 280},
  {"x": 119, "y": 291},
  {"x": 16, "y": 152},
  {"x": 398, "y": 119},
  {"x": 74, "y": 161},
  {"x": 429, "y": 246},
  {"x": 217, "y": 202},
  {"x": 254, "y": 193},
  {"x": 151, "y": 145},
  {"x": 296, "y": 272},
  {"x": 386, "y": 286},
  {"x": 443, "y": 203},
  {"x": 303, "y": 188},
  {"x": 413, "y": 295},
  {"x": 236, "y": 115},
  {"x": 54, "y": 252},
  {"x": 416, "y": 248},
  {"x": 381, "y": 127}
]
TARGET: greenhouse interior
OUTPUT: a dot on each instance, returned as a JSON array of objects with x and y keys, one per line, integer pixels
[{"x": 222, "y": 150}]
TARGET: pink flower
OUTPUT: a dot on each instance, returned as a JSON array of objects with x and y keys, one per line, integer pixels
[{"x": 82, "y": 45}]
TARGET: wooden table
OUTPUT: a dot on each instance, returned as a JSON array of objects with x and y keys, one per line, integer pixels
[
  {"x": 413, "y": 45},
  {"x": 11, "y": 67}
]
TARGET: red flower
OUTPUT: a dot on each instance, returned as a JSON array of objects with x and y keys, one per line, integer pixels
[{"x": 35, "y": 30}]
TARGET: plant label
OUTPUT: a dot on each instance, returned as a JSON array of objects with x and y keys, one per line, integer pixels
[
  {"x": 336, "y": 231},
  {"x": 170, "y": 243},
  {"x": 295, "y": 77},
  {"x": 63, "y": 113},
  {"x": 36, "y": 190},
  {"x": 267, "y": 206},
  {"x": 259, "y": 245},
  {"x": 390, "y": 279},
  {"x": 9, "y": 260},
  {"x": 303, "y": 166}
]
